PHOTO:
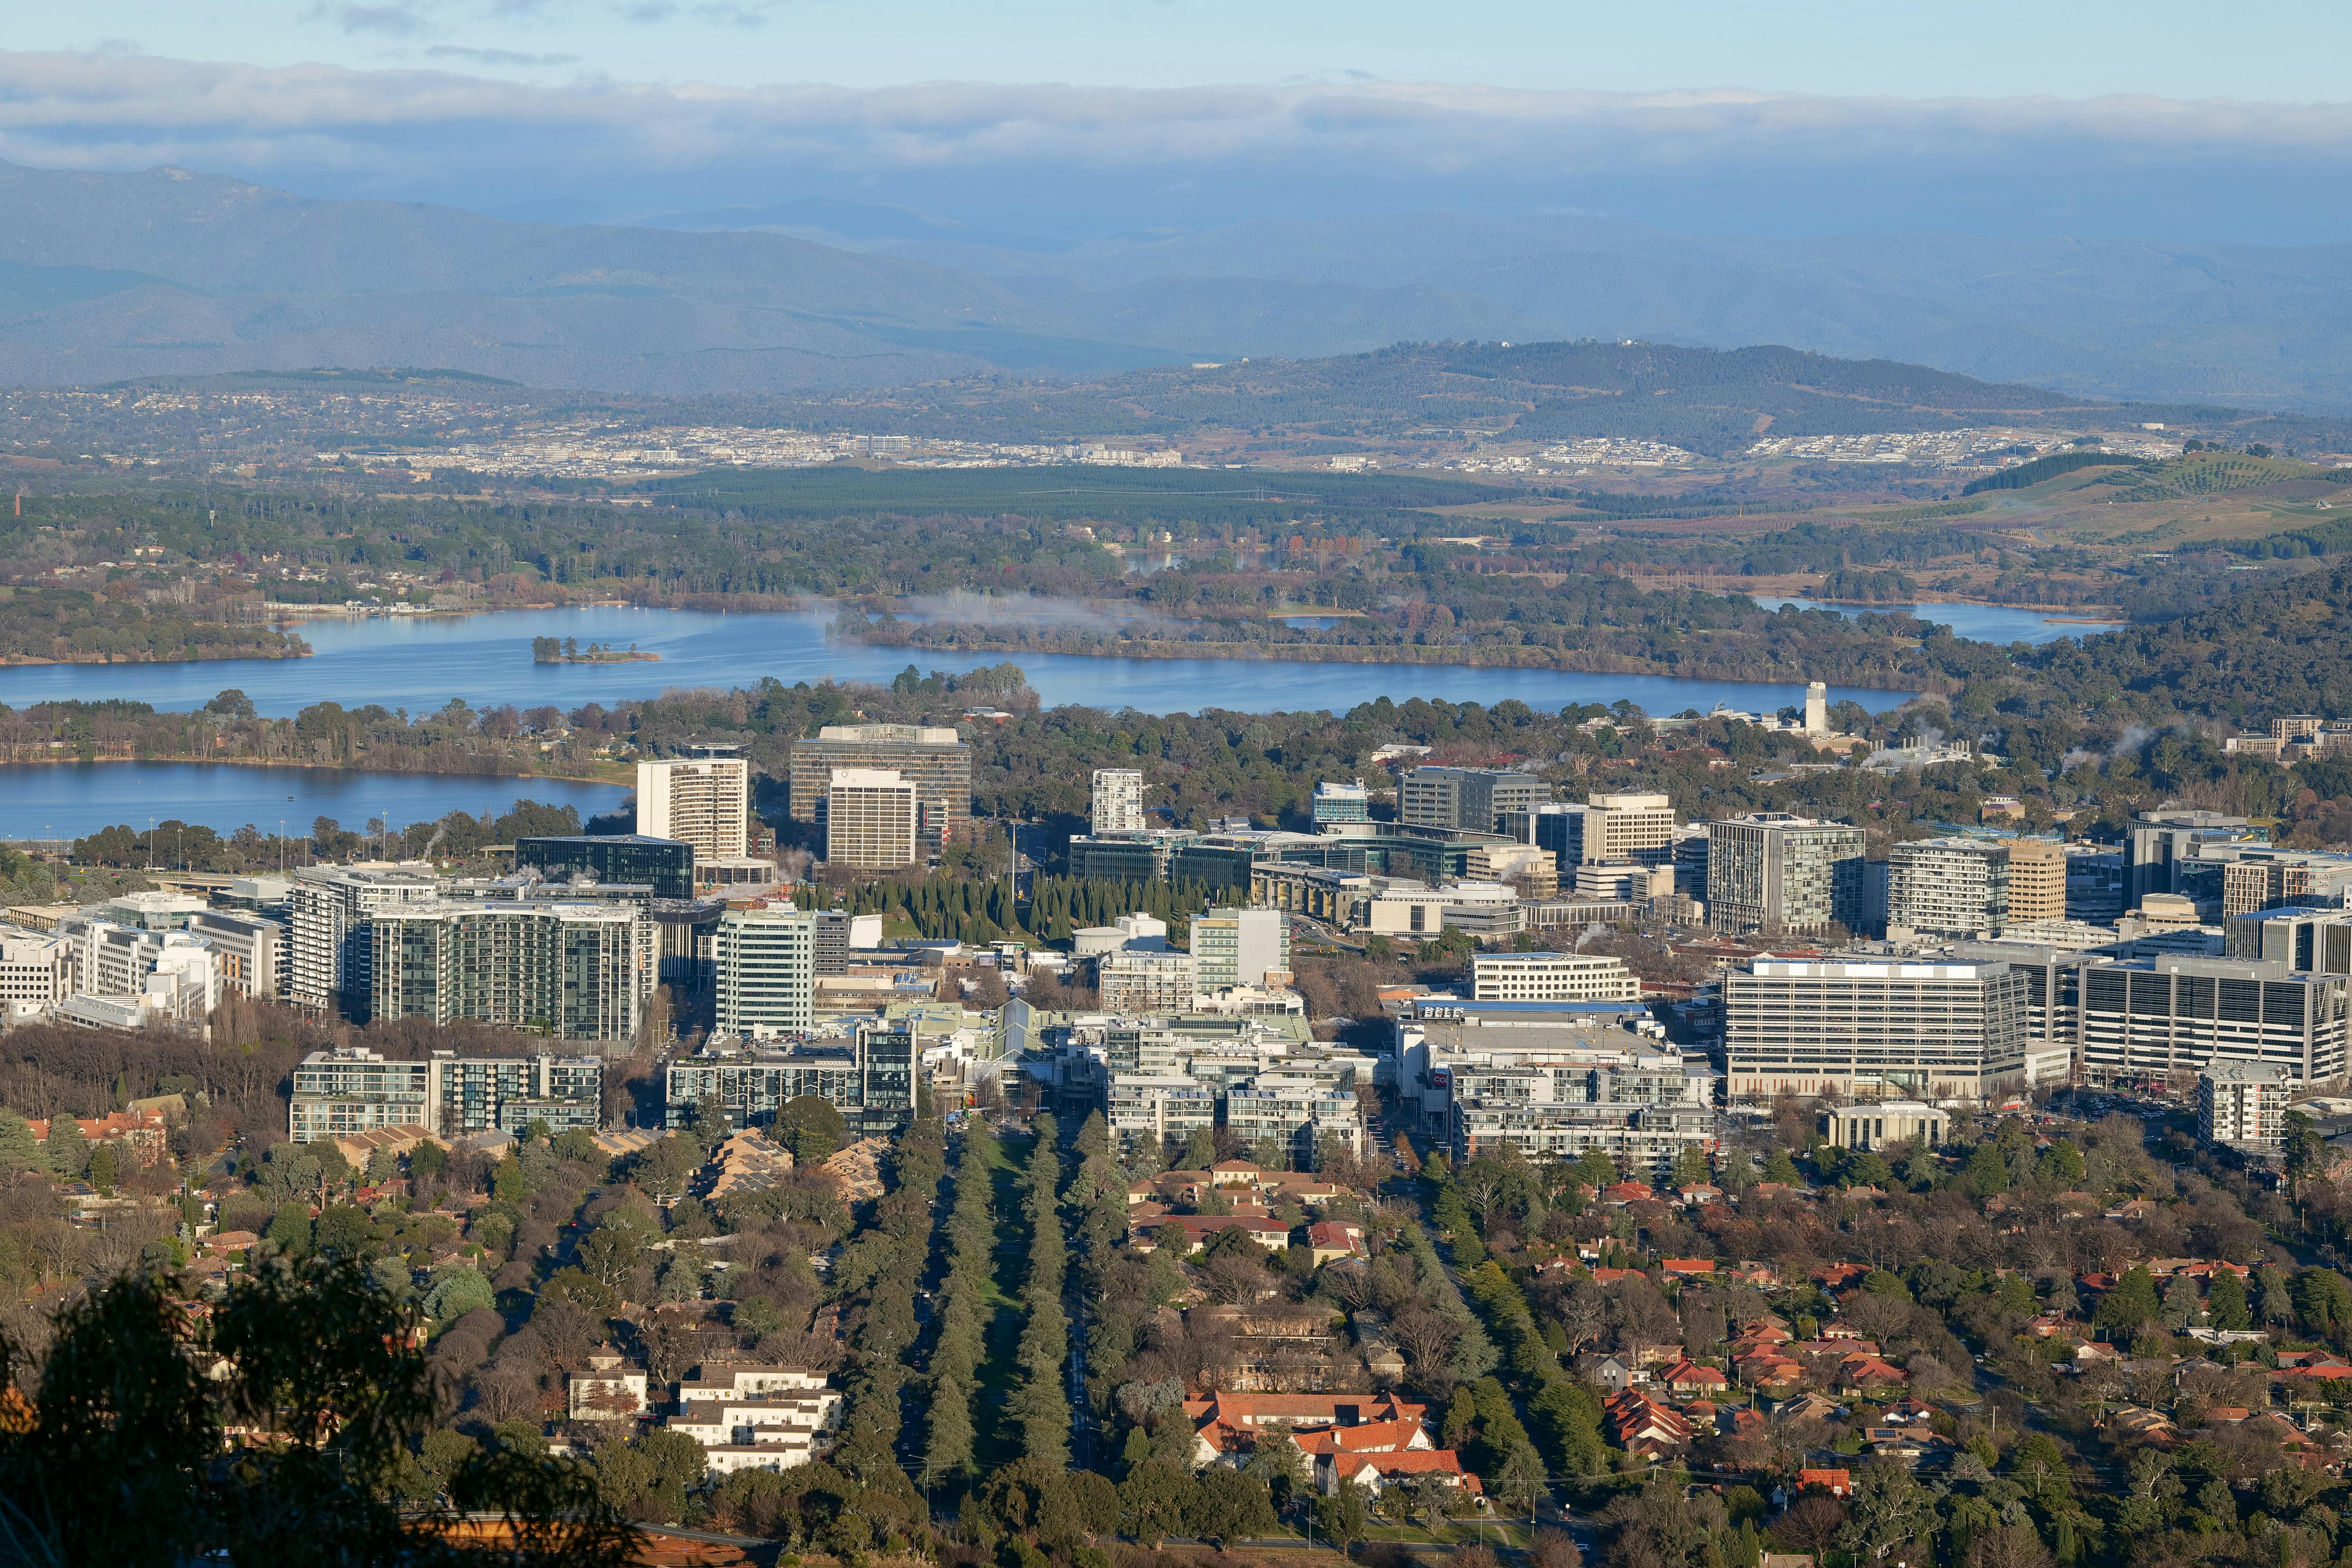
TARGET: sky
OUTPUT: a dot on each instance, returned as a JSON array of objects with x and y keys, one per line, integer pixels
[{"x": 1044, "y": 123}]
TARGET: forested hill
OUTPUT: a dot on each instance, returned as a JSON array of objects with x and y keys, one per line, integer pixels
[
  {"x": 2285, "y": 649},
  {"x": 1708, "y": 400}
]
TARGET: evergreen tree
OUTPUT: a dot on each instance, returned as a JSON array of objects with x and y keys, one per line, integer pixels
[
  {"x": 18, "y": 1150},
  {"x": 69, "y": 1151}
]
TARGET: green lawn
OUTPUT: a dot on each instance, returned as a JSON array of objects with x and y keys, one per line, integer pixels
[{"x": 995, "y": 1440}]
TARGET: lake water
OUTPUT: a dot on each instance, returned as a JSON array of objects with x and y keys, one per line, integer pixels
[
  {"x": 2001, "y": 624},
  {"x": 68, "y": 800},
  {"x": 419, "y": 663}
]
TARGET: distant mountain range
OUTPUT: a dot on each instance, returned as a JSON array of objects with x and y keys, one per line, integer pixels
[{"x": 104, "y": 277}]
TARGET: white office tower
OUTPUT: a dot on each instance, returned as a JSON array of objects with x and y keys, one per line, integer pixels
[
  {"x": 1118, "y": 801},
  {"x": 765, "y": 969},
  {"x": 1817, "y": 708},
  {"x": 702, "y": 801},
  {"x": 870, "y": 820},
  {"x": 1875, "y": 1029}
]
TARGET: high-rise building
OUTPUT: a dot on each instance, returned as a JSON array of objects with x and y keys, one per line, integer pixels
[
  {"x": 1471, "y": 798},
  {"x": 1623, "y": 829},
  {"x": 2037, "y": 882},
  {"x": 931, "y": 757},
  {"x": 1118, "y": 801},
  {"x": 665, "y": 865},
  {"x": 1341, "y": 802},
  {"x": 2263, "y": 878},
  {"x": 766, "y": 967},
  {"x": 352, "y": 1089},
  {"x": 705, "y": 801},
  {"x": 1817, "y": 708},
  {"x": 1948, "y": 887},
  {"x": 2243, "y": 1105},
  {"x": 870, "y": 820},
  {"x": 574, "y": 971},
  {"x": 2163, "y": 844},
  {"x": 2148, "y": 1021},
  {"x": 1241, "y": 947},
  {"x": 1861, "y": 1029},
  {"x": 1773, "y": 871},
  {"x": 331, "y": 906},
  {"x": 2313, "y": 939}
]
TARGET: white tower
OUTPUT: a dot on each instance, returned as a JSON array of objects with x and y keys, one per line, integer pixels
[{"x": 1817, "y": 708}]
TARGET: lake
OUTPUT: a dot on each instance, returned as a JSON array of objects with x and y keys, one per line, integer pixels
[
  {"x": 68, "y": 800},
  {"x": 1999, "y": 624},
  {"x": 419, "y": 663}
]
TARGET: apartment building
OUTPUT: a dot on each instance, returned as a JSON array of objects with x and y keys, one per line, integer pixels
[
  {"x": 1117, "y": 801},
  {"x": 666, "y": 866},
  {"x": 1872, "y": 1029},
  {"x": 1165, "y": 1105},
  {"x": 2263, "y": 879},
  {"x": 868, "y": 1075},
  {"x": 930, "y": 757},
  {"x": 704, "y": 801},
  {"x": 574, "y": 971},
  {"x": 2243, "y": 1105},
  {"x": 871, "y": 819},
  {"x": 1551, "y": 977},
  {"x": 764, "y": 968},
  {"x": 256, "y": 952},
  {"x": 1948, "y": 886},
  {"x": 1775, "y": 872},
  {"x": 1640, "y": 1106},
  {"x": 1300, "y": 1116},
  {"x": 1471, "y": 798},
  {"x": 1241, "y": 947},
  {"x": 332, "y": 907},
  {"x": 352, "y": 1089},
  {"x": 1142, "y": 980}
]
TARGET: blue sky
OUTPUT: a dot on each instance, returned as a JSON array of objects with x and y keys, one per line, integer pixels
[{"x": 1051, "y": 123}]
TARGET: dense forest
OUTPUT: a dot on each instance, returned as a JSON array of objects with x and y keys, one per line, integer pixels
[{"x": 136, "y": 618}]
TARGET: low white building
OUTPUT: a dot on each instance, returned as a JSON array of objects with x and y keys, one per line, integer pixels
[
  {"x": 1551, "y": 977},
  {"x": 756, "y": 1417}
]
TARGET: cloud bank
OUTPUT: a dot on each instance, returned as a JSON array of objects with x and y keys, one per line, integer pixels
[{"x": 1085, "y": 159}]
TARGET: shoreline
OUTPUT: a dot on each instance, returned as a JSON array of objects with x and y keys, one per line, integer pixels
[
  {"x": 1348, "y": 653},
  {"x": 315, "y": 767}
]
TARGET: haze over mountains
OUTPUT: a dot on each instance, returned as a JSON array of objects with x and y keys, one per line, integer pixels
[{"x": 105, "y": 277}]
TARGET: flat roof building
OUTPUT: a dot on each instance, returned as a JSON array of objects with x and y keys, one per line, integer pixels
[
  {"x": 1861, "y": 1029},
  {"x": 932, "y": 758},
  {"x": 702, "y": 801},
  {"x": 1775, "y": 872},
  {"x": 664, "y": 865},
  {"x": 1948, "y": 886},
  {"x": 872, "y": 819},
  {"x": 1551, "y": 977}
]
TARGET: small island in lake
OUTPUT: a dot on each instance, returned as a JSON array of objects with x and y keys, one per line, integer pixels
[{"x": 550, "y": 650}]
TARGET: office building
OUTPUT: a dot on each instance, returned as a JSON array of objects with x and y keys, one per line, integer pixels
[
  {"x": 1873, "y": 1029},
  {"x": 1885, "y": 1123},
  {"x": 1775, "y": 872},
  {"x": 2154, "y": 1022},
  {"x": 930, "y": 757},
  {"x": 352, "y": 1089},
  {"x": 574, "y": 971},
  {"x": 664, "y": 865},
  {"x": 2095, "y": 884},
  {"x": 1948, "y": 887},
  {"x": 1341, "y": 802},
  {"x": 255, "y": 952},
  {"x": 334, "y": 952},
  {"x": 1688, "y": 854},
  {"x": 871, "y": 819},
  {"x": 765, "y": 967},
  {"x": 2314, "y": 940},
  {"x": 2037, "y": 882},
  {"x": 1628, "y": 829},
  {"x": 704, "y": 801},
  {"x": 2243, "y": 1105},
  {"x": 868, "y": 1076},
  {"x": 36, "y": 972},
  {"x": 2161, "y": 852},
  {"x": 1471, "y": 798},
  {"x": 2263, "y": 878},
  {"x": 1241, "y": 947},
  {"x": 1118, "y": 801},
  {"x": 1551, "y": 977}
]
